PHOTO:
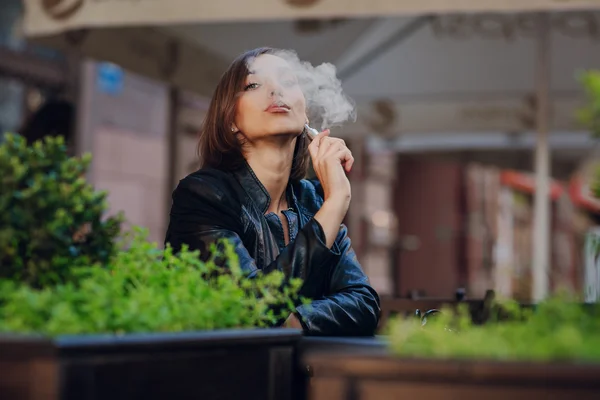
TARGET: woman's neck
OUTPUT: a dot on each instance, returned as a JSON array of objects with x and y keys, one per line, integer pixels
[{"x": 272, "y": 165}]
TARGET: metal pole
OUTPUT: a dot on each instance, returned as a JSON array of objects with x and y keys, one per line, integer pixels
[
  {"x": 172, "y": 142},
  {"x": 541, "y": 219}
]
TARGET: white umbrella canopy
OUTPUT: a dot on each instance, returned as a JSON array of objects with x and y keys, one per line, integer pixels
[
  {"x": 142, "y": 35},
  {"x": 470, "y": 73},
  {"x": 438, "y": 79},
  {"x": 52, "y": 16}
]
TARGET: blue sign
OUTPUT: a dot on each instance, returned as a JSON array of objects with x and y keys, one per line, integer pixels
[{"x": 109, "y": 78}]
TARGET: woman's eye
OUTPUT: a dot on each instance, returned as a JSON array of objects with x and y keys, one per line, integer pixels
[{"x": 251, "y": 86}]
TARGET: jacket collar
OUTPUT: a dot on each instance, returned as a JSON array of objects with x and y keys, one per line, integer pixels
[{"x": 256, "y": 190}]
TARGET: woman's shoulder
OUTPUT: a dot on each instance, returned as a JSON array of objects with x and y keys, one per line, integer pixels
[
  {"x": 205, "y": 176},
  {"x": 208, "y": 185},
  {"x": 207, "y": 197}
]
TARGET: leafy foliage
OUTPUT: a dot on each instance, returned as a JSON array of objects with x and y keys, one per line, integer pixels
[
  {"x": 65, "y": 269},
  {"x": 143, "y": 289},
  {"x": 558, "y": 329},
  {"x": 589, "y": 115},
  {"x": 50, "y": 217}
]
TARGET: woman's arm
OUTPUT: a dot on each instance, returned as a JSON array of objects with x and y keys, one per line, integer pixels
[
  {"x": 352, "y": 306},
  {"x": 202, "y": 214}
]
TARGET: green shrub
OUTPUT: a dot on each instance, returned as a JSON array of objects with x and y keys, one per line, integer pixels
[
  {"x": 51, "y": 219},
  {"x": 589, "y": 114},
  {"x": 67, "y": 270},
  {"x": 558, "y": 329},
  {"x": 143, "y": 289}
]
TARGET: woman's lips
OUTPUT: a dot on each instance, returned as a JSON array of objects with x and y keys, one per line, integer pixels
[{"x": 278, "y": 108}]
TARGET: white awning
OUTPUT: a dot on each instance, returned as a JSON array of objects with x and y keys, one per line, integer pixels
[{"x": 53, "y": 16}]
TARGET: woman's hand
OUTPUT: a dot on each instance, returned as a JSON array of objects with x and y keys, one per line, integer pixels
[
  {"x": 331, "y": 160},
  {"x": 292, "y": 322}
]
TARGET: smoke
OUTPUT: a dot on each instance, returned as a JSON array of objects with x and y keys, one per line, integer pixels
[{"x": 327, "y": 105}]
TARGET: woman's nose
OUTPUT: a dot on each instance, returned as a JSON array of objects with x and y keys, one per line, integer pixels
[
  {"x": 275, "y": 89},
  {"x": 276, "y": 92}
]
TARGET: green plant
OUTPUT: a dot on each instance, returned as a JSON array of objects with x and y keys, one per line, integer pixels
[
  {"x": 51, "y": 219},
  {"x": 143, "y": 289},
  {"x": 558, "y": 329},
  {"x": 589, "y": 114}
]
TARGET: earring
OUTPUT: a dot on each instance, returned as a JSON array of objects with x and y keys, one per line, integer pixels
[{"x": 232, "y": 129}]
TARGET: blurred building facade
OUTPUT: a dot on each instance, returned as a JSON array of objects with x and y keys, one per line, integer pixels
[
  {"x": 124, "y": 123},
  {"x": 29, "y": 75},
  {"x": 426, "y": 225}
]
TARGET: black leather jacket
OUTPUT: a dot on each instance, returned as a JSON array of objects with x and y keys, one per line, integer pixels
[{"x": 210, "y": 204}]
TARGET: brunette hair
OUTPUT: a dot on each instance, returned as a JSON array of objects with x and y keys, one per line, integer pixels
[{"x": 218, "y": 146}]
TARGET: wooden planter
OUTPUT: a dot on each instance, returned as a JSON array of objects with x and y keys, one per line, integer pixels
[
  {"x": 364, "y": 370},
  {"x": 228, "y": 364}
]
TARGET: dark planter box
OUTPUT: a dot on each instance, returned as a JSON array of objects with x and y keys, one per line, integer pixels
[
  {"x": 229, "y": 364},
  {"x": 363, "y": 370}
]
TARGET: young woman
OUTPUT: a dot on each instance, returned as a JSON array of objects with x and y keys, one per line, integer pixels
[{"x": 250, "y": 190}]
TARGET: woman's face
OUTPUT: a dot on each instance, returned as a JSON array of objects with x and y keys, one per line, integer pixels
[{"x": 271, "y": 102}]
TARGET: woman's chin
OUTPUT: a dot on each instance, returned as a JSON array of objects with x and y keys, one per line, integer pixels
[{"x": 285, "y": 130}]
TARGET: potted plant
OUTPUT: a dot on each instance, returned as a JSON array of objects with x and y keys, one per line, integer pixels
[
  {"x": 88, "y": 311},
  {"x": 550, "y": 350}
]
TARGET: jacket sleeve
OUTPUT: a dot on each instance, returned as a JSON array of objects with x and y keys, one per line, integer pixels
[
  {"x": 202, "y": 214},
  {"x": 351, "y": 307}
]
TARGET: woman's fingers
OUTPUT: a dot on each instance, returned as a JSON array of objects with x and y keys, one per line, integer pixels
[
  {"x": 334, "y": 148},
  {"x": 316, "y": 142},
  {"x": 313, "y": 147},
  {"x": 349, "y": 162},
  {"x": 324, "y": 147},
  {"x": 346, "y": 158}
]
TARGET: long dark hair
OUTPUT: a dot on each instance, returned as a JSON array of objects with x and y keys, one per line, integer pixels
[{"x": 218, "y": 147}]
